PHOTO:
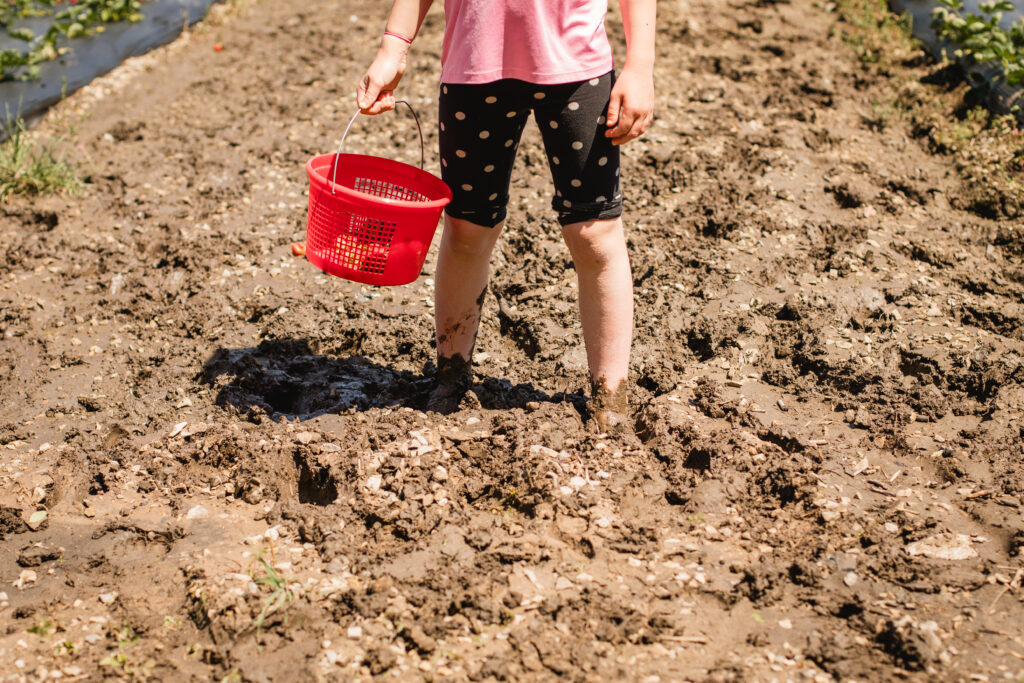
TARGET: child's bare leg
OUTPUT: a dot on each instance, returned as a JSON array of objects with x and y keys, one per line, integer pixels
[
  {"x": 463, "y": 266},
  {"x": 599, "y": 253}
]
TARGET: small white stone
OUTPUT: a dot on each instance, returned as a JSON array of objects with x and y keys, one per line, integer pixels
[{"x": 306, "y": 438}]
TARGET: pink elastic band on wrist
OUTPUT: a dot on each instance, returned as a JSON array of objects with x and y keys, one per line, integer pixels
[{"x": 395, "y": 35}]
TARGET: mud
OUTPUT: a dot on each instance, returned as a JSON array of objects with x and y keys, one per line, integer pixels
[{"x": 241, "y": 482}]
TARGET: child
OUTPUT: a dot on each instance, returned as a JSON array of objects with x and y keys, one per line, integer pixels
[{"x": 502, "y": 59}]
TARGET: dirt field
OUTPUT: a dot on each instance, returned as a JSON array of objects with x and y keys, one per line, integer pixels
[{"x": 240, "y": 483}]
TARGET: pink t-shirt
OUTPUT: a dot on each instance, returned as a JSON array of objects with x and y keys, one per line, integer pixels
[{"x": 539, "y": 41}]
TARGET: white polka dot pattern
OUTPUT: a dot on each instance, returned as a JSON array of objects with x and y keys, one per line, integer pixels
[{"x": 583, "y": 162}]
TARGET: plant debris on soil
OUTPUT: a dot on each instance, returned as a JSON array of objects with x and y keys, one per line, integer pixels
[{"x": 240, "y": 482}]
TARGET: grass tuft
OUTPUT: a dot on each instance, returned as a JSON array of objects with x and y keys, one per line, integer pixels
[
  {"x": 31, "y": 168},
  {"x": 938, "y": 106}
]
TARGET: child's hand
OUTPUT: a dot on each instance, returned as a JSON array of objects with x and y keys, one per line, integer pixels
[
  {"x": 375, "y": 92},
  {"x": 631, "y": 107}
]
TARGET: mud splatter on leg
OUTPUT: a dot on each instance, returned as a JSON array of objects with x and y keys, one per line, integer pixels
[{"x": 610, "y": 409}]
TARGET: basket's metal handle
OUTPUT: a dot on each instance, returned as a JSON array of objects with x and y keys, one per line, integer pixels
[{"x": 334, "y": 172}]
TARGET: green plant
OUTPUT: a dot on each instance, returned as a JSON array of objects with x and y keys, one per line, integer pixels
[
  {"x": 127, "y": 636},
  {"x": 42, "y": 628},
  {"x": 979, "y": 37},
  {"x": 281, "y": 595},
  {"x": 31, "y": 168},
  {"x": 79, "y": 18},
  {"x": 879, "y": 37}
]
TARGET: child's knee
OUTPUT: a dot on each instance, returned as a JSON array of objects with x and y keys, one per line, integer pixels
[
  {"x": 595, "y": 243},
  {"x": 468, "y": 240}
]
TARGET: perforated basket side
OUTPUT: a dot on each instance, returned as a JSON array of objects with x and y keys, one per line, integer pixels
[{"x": 348, "y": 240}]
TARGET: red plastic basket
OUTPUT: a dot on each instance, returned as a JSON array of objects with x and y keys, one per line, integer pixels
[{"x": 372, "y": 220}]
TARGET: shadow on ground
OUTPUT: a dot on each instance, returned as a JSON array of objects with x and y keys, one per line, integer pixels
[{"x": 287, "y": 378}]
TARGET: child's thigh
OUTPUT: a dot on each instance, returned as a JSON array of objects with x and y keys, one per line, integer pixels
[
  {"x": 584, "y": 163},
  {"x": 480, "y": 129}
]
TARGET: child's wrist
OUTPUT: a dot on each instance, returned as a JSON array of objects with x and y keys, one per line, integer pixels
[
  {"x": 643, "y": 64},
  {"x": 395, "y": 42}
]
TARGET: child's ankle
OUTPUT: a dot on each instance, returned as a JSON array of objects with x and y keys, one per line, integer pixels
[
  {"x": 603, "y": 397},
  {"x": 454, "y": 370}
]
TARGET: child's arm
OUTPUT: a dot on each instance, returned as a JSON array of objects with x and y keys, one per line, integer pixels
[
  {"x": 631, "y": 107},
  {"x": 374, "y": 94}
]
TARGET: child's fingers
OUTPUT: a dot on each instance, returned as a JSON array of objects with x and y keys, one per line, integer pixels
[
  {"x": 366, "y": 93},
  {"x": 626, "y": 119},
  {"x": 385, "y": 102},
  {"x": 638, "y": 128},
  {"x": 635, "y": 130},
  {"x": 614, "y": 108}
]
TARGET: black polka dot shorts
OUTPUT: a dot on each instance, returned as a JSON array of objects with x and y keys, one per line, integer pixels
[{"x": 481, "y": 125}]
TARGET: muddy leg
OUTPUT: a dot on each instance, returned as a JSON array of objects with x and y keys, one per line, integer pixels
[
  {"x": 463, "y": 266},
  {"x": 606, "y": 312}
]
